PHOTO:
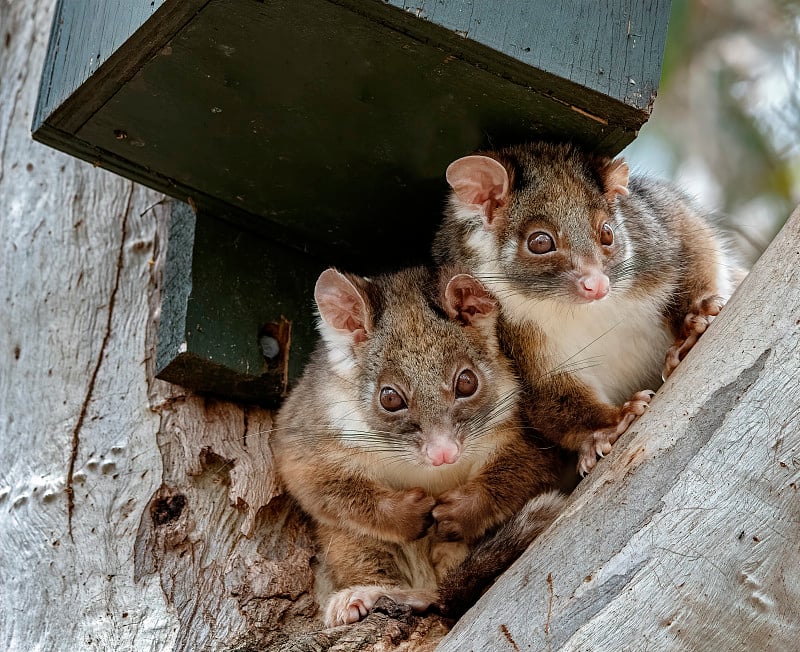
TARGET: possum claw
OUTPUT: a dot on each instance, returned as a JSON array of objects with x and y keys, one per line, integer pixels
[
  {"x": 600, "y": 442},
  {"x": 695, "y": 324}
]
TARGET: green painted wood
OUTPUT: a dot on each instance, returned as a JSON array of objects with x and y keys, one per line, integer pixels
[
  {"x": 176, "y": 286},
  {"x": 613, "y": 47},
  {"x": 86, "y": 62},
  {"x": 225, "y": 292}
]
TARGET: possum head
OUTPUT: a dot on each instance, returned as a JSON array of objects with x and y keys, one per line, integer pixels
[
  {"x": 422, "y": 362},
  {"x": 542, "y": 221}
]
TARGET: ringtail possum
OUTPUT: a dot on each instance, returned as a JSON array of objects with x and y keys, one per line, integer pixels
[
  {"x": 605, "y": 281},
  {"x": 402, "y": 438}
]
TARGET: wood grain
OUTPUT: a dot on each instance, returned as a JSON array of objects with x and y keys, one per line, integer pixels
[
  {"x": 76, "y": 246},
  {"x": 85, "y": 44},
  {"x": 614, "y": 48}
]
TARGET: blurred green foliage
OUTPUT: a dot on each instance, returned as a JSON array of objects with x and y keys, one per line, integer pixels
[{"x": 726, "y": 124}]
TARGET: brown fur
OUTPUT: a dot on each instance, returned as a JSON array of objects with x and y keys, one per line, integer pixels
[{"x": 495, "y": 553}]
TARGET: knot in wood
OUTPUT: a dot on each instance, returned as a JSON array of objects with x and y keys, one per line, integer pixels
[{"x": 167, "y": 509}]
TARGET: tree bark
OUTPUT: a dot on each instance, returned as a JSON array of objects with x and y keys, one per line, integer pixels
[
  {"x": 77, "y": 438},
  {"x": 137, "y": 516}
]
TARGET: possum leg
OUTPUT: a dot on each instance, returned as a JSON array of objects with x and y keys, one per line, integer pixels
[
  {"x": 695, "y": 323},
  {"x": 601, "y": 440}
]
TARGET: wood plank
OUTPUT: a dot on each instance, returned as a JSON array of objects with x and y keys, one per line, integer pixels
[
  {"x": 225, "y": 290},
  {"x": 85, "y": 62},
  {"x": 615, "y": 49},
  {"x": 685, "y": 537}
]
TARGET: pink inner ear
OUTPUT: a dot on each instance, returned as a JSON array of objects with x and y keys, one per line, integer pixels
[
  {"x": 479, "y": 181},
  {"x": 341, "y": 304},
  {"x": 467, "y": 298},
  {"x": 617, "y": 174}
]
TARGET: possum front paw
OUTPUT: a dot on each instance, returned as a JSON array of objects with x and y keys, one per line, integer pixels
[
  {"x": 354, "y": 603},
  {"x": 350, "y": 605},
  {"x": 600, "y": 441},
  {"x": 408, "y": 513},
  {"x": 695, "y": 323},
  {"x": 455, "y": 515}
]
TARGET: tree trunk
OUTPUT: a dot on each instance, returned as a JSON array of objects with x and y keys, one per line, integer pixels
[
  {"x": 137, "y": 516},
  {"x": 78, "y": 448}
]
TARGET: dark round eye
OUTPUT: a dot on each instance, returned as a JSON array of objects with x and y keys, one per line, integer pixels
[
  {"x": 391, "y": 401},
  {"x": 606, "y": 234},
  {"x": 541, "y": 243},
  {"x": 466, "y": 383}
]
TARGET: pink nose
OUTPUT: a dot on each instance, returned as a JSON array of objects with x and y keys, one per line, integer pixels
[
  {"x": 442, "y": 453},
  {"x": 593, "y": 286}
]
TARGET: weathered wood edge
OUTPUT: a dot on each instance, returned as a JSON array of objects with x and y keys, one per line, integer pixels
[
  {"x": 176, "y": 287},
  {"x": 561, "y": 583},
  {"x": 145, "y": 40},
  {"x": 630, "y": 78},
  {"x": 593, "y": 104}
]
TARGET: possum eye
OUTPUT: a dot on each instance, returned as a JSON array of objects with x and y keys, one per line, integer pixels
[
  {"x": 606, "y": 234},
  {"x": 391, "y": 401},
  {"x": 466, "y": 383},
  {"x": 541, "y": 243}
]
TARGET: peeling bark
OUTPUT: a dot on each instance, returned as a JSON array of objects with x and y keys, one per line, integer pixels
[{"x": 223, "y": 541}]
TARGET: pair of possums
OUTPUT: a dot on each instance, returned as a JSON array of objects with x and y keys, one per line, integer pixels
[{"x": 424, "y": 436}]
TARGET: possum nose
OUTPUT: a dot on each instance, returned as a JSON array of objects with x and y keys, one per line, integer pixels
[
  {"x": 593, "y": 286},
  {"x": 442, "y": 452}
]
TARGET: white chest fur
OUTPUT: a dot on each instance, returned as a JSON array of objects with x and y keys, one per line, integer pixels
[{"x": 616, "y": 345}]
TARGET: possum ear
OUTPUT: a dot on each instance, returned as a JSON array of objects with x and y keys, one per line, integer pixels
[
  {"x": 342, "y": 306},
  {"x": 615, "y": 175},
  {"x": 466, "y": 299},
  {"x": 479, "y": 182}
]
